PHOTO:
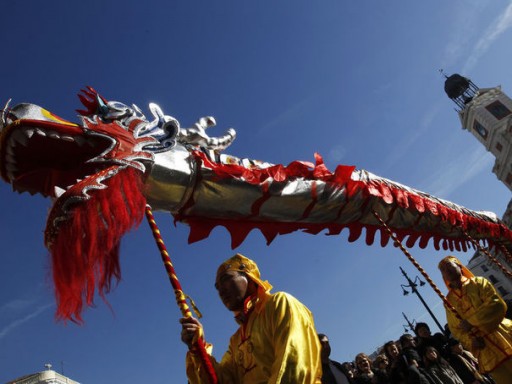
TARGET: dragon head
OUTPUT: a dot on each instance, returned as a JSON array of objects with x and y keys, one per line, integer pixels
[
  {"x": 43, "y": 153},
  {"x": 74, "y": 164}
]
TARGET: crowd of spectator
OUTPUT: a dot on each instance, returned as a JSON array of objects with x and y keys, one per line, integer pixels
[{"x": 422, "y": 358}]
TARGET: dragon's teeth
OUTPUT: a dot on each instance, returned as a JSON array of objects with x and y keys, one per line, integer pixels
[
  {"x": 11, "y": 158},
  {"x": 68, "y": 138},
  {"x": 39, "y": 132},
  {"x": 79, "y": 140},
  {"x": 58, "y": 191},
  {"x": 20, "y": 137},
  {"x": 11, "y": 167},
  {"x": 29, "y": 133},
  {"x": 53, "y": 135}
]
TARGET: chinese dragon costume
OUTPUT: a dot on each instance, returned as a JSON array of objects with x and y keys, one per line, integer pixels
[{"x": 103, "y": 171}]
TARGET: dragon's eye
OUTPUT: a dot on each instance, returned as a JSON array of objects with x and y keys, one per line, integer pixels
[{"x": 116, "y": 105}]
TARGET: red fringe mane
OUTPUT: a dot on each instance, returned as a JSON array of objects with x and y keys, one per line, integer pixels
[{"x": 85, "y": 253}]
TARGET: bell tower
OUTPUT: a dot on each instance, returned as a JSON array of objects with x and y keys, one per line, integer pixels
[{"x": 487, "y": 114}]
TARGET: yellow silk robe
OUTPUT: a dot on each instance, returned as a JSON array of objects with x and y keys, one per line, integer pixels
[
  {"x": 479, "y": 304},
  {"x": 277, "y": 344}
]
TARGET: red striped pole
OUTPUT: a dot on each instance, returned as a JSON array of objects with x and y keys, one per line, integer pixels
[
  {"x": 488, "y": 254},
  {"x": 180, "y": 295},
  {"x": 399, "y": 244}
]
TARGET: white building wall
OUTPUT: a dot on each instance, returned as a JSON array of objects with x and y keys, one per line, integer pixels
[
  {"x": 44, "y": 377},
  {"x": 492, "y": 129},
  {"x": 480, "y": 265}
]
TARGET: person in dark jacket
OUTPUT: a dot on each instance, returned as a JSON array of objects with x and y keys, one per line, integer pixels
[
  {"x": 332, "y": 371},
  {"x": 426, "y": 339},
  {"x": 465, "y": 364},
  {"x": 437, "y": 369}
]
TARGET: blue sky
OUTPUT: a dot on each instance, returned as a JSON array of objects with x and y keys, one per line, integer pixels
[{"x": 357, "y": 82}]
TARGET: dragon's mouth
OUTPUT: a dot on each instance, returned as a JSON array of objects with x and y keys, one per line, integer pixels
[{"x": 49, "y": 157}]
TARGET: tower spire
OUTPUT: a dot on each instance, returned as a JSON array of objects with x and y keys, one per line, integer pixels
[
  {"x": 487, "y": 114},
  {"x": 460, "y": 89}
]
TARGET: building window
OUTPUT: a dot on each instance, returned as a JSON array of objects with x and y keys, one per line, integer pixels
[
  {"x": 502, "y": 291},
  {"x": 498, "y": 110},
  {"x": 493, "y": 279},
  {"x": 499, "y": 147},
  {"x": 480, "y": 129},
  {"x": 484, "y": 268}
]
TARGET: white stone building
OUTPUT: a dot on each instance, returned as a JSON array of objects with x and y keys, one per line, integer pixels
[
  {"x": 44, "y": 377},
  {"x": 480, "y": 265},
  {"x": 487, "y": 114}
]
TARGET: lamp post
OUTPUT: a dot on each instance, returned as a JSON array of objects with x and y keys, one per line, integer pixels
[
  {"x": 413, "y": 285},
  {"x": 409, "y": 326}
]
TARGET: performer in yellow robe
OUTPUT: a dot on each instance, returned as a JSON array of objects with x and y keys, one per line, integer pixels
[
  {"x": 483, "y": 330},
  {"x": 276, "y": 342}
]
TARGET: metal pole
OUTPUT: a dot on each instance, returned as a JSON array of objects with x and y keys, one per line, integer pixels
[
  {"x": 412, "y": 285},
  {"x": 411, "y": 325}
]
